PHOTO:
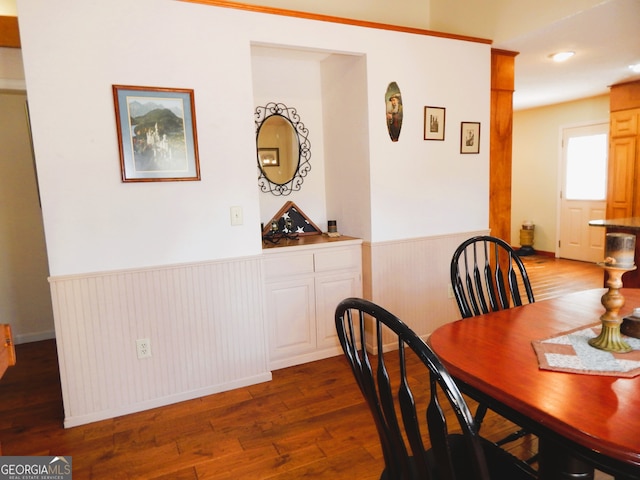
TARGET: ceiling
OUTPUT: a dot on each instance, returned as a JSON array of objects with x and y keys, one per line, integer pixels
[
  {"x": 605, "y": 39},
  {"x": 604, "y": 34}
]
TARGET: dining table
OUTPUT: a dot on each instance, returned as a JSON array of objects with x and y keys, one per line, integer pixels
[{"x": 584, "y": 419}]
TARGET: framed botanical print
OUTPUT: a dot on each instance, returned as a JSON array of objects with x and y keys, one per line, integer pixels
[
  {"x": 434, "y": 121},
  {"x": 470, "y": 137}
]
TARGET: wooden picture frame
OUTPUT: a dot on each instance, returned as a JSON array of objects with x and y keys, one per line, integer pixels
[
  {"x": 470, "y": 137},
  {"x": 269, "y": 157},
  {"x": 434, "y": 123},
  {"x": 156, "y": 134}
]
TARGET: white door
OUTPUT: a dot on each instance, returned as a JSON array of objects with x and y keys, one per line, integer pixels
[{"x": 584, "y": 191}]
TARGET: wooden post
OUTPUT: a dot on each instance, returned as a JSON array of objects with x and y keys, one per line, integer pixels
[
  {"x": 9, "y": 34},
  {"x": 502, "y": 87}
]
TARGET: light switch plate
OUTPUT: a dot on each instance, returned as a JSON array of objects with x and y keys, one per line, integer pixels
[{"x": 236, "y": 216}]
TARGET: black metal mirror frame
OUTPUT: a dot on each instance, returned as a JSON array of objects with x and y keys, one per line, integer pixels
[{"x": 304, "y": 149}]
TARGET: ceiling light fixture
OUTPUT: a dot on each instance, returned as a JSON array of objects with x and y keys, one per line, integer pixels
[
  {"x": 561, "y": 56},
  {"x": 635, "y": 68}
]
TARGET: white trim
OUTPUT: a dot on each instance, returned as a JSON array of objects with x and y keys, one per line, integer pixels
[{"x": 34, "y": 337}]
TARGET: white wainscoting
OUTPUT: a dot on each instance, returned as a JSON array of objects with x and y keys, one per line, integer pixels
[
  {"x": 411, "y": 278},
  {"x": 204, "y": 321}
]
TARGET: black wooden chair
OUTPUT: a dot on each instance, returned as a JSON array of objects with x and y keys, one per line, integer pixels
[
  {"x": 456, "y": 449},
  {"x": 487, "y": 275}
]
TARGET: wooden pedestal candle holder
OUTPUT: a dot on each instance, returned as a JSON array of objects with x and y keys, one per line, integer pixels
[{"x": 610, "y": 338}]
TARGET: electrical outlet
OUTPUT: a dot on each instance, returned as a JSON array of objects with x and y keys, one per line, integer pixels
[{"x": 143, "y": 347}]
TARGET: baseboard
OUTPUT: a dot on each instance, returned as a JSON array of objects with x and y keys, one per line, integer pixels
[
  {"x": 540, "y": 253},
  {"x": 34, "y": 337},
  {"x": 74, "y": 421}
]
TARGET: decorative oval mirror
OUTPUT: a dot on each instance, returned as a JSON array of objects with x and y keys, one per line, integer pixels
[{"x": 283, "y": 149}]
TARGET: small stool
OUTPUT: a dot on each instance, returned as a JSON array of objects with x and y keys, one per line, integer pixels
[{"x": 526, "y": 239}]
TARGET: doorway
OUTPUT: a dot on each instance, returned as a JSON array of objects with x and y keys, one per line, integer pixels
[
  {"x": 583, "y": 191},
  {"x": 25, "y": 295}
]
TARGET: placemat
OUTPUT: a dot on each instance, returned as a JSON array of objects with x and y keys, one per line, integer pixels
[{"x": 570, "y": 352}]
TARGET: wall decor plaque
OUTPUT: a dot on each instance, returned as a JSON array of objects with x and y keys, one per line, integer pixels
[{"x": 393, "y": 101}]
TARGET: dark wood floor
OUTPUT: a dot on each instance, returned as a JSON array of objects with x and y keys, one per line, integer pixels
[{"x": 309, "y": 422}]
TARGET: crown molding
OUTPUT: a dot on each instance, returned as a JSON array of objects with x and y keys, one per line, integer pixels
[{"x": 332, "y": 19}]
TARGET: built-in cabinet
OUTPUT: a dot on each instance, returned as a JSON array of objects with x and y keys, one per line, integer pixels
[
  {"x": 623, "y": 198},
  {"x": 623, "y": 188},
  {"x": 303, "y": 285}
]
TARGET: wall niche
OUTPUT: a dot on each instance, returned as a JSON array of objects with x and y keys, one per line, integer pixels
[{"x": 329, "y": 92}]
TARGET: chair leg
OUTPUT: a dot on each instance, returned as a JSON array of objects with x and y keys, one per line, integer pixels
[
  {"x": 512, "y": 437},
  {"x": 480, "y": 414}
]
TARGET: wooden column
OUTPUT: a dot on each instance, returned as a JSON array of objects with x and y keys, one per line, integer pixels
[
  {"x": 502, "y": 88},
  {"x": 9, "y": 33}
]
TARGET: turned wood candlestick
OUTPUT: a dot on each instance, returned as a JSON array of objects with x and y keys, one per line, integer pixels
[{"x": 610, "y": 338}]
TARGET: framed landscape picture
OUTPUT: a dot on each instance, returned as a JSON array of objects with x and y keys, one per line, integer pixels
[
  {"x": 434, "y": 119},
  {"x": 470, "y": 137},
  {"x": 156, "y": 134}
]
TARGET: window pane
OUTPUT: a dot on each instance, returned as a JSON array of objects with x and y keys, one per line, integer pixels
[{"x": 587, "y": 167}]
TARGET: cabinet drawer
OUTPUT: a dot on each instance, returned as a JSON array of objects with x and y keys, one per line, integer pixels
[
  {"x": 285, "y": 265},
  {"x": 337, "y": 259},
  {"x": 624, "y": 123}
]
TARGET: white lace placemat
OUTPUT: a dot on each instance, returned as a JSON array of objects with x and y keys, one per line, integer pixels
[{"x": 571, "y": 352}]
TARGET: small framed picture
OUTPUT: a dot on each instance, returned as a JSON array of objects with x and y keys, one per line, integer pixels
[
  {"x": 434, "y": 118},
  {"x": 156, "y": 134},
  {"x": 269, "y": 157},
  {"x": 470, "y": 137}
]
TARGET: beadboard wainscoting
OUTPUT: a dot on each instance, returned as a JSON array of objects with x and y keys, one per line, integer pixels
[
  {"x": 411, "y": 279},
  {"x": 204, "y": 323}
]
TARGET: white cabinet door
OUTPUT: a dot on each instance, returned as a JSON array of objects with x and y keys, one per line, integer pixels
[
  {"x": 291, "y": 313},
  {"x": 302, "y": 289},
  {"x": 331, "y": 290}
]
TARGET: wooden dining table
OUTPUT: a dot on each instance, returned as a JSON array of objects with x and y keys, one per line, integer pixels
[{"x": 583, "y": 421}]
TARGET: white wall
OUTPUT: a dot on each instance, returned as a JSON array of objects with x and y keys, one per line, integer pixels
[
  {"x": 74, "y": 51},
  {"x": 94, "y": 222},
  {"x": 422, "y": 188},
  {"x": 537, "y": 137},
  {"x": 412, "y": 175},
  {"x": 346, "y": 113}
]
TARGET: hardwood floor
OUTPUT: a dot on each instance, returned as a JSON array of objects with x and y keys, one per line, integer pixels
[
  {"x": 310, "y": 421},
  {"x": 551, "y": 277}
]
